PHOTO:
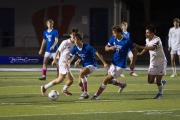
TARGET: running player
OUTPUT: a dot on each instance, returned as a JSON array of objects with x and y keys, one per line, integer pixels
[
  {"x": 126, "y": 34},
  {"x": 64, "y": 50},
  {"x": 86, "y": 54},
  {"x": 174, "y": 44},
  {"x": 157, "y": 59},
  {"x": 50, "y": 40},
  {"x": 120, "y": 46}
]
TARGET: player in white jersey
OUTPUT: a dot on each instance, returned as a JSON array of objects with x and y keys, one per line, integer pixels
[
  {"x": 157, "y": 59},
  {"x": 174, "y": 44},
  {"x": 64, "y": 50}
]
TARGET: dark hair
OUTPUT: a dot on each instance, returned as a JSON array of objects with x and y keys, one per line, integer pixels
[
  {"x": 117, "y": 29},
  {"x": 73, "y": 30},
  {"x": 151, "y": 28},
  {"x": 176, "y": 19},
  {"x": 79, "y": 36}
]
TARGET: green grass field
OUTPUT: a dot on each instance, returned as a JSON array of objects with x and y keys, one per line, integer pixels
[{"x": 20, "y": 99}]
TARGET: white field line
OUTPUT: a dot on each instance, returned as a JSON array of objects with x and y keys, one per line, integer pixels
[{"x": 147, "y": 112}]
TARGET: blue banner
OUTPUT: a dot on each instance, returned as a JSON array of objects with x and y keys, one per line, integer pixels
[{"x": 21, "y": 59}]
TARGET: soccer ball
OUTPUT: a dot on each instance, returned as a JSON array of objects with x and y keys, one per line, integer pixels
[{"x": 53, "y": 95}]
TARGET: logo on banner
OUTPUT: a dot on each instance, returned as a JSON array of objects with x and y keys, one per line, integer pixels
[{"x": 22, "y": 60}]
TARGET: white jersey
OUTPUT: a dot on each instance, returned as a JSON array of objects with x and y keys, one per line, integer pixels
[
  {"x": 174, "y": 38},
  {"x": 65, "y": 49},
  {"x": 157, "y": 56}
]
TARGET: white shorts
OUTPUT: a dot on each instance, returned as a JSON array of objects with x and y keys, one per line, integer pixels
[
  {"x": 91, "y": 68},
  {"x": 130, "y": 54},
  {"x": 63, "y": 70},
  {"x": 115, "y": 71},
  {"x": 50, "y": 55},
  {"x": 157, "y": 70},
  {"x": 175, "y": 52}
]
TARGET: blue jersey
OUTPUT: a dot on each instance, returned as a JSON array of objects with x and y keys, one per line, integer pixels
[
  {"x": 86, "y": 54},
  {"x": 126, "y": 35},
  {"x": 120, "y": 54},
  {"x": 50, "y": 39}
]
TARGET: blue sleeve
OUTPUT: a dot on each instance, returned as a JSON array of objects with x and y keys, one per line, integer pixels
[
  {"x": 73, "y": 51},
  {"x": 56, "y": 35},
  {"x": 111, "y": 40},
  {"x": 92, "y": 49},
  {"x": 130, "y": 44},
  {"x": 44, "y": 35}
]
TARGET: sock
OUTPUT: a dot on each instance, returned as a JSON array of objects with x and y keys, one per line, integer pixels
[
  {"x": 116, "y": 82},
  {"x": 132, "y": 70},
  {"x": 82, "y": 88},
  {"x": 65, "y": 87},
  {"x": 160, "y": 88},
  {"x": 43, "y": 73},
  {"x": 48, "y": 85},
  {"x": 84, "y": 82},
  {"x": 174, "y": 70},
  {"x": 101, "y": 89},
  {"x": 154, "y": 81}
]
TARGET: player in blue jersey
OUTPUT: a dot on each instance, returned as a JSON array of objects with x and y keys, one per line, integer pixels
[
  {"x": 120, "y": 46},
  {"x": 86, "y": 54},
  {"x": 126, "y": 34},
  {"x": 50, "y": 40}
]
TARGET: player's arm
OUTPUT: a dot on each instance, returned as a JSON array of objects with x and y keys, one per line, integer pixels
[
  {"x": 169, "y": 41},
  {"x": 67, "y": 61},
  {"x": 77, "y": 62},
  {"x": 102, "y": 60},
  {"x": 42, "y": 46},
  {"x": 109, "y": 48},
  {"x": 55, "y": 58},
  {"x": 55, "y": 43}
]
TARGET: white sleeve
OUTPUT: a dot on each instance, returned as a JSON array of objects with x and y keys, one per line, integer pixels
[
  {"x": 61, "y": 47},
  {"x": 169, "y": 39}
]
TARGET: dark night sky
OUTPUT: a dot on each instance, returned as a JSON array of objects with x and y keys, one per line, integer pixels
[{"x": 162, "y": 13}]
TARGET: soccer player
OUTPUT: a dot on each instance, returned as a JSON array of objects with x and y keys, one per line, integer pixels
[
  {"x": 126, "y": 34},
  {"x": 174, "y": 44},
  {"x": 50, "y": 40},
  {"x": 120, "y": 46},
  {"x": 86, "y": 54},
  {"x": 157, "y": 59},
  {"x": 64, "y": 50}
]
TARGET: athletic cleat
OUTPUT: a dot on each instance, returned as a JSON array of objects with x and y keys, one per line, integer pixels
[
  {"x": 173, "y": 75},
  {"x": 159, "y": 96},
  {"x": 84, "y": 95},
  {"x": 121, "y": 88},
  {"x": 66, "y": 92},
  {"x": 122, "y": 75},
  {"x": 133, "y": 74},
  {"x": 95, "y": 97},
  {"x": 42, "y": 78},
  {"x": 163, "y": 82},
  {"x": 43, "y": 90}
]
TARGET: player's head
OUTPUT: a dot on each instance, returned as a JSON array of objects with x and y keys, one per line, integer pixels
[
  {"x": 117, "y": 32},
  {"x": 78, "y": 38},
  {"x": 72, "y": 33},
  {"x": 150, "y": 31},
  {"x": 124, "y": 26},
  {"x": 176, "y": 22},
  {"x": 50, "y": 23}
]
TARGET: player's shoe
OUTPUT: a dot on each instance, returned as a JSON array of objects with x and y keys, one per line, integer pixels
[
  {"x": 43, "y": 90},
  {"x": 163, "y": 82},
  {"x": 159, "y": 96},
  {"x": 66, "y": 92},
  {"x": 42, "y": 78},
  {"x": 133, "y": 74},
  {"x": 84, "y": 95},
  {"x": 122, "y": 75},
  {"x": 173, "y": 75},
  {"x": 121, "y": 88},
  {"x": 95, "y": 97}
]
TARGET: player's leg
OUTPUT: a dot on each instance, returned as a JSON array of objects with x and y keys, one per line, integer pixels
[
  {"x": 68, "y": 83},
  {"x": 57, "y": 60},
  {"x": 130, "y": 56},
  {"x": 173, "y": 64},
  {"x": 56, "y": 81},
  {"x": 85, "y": 71}
]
